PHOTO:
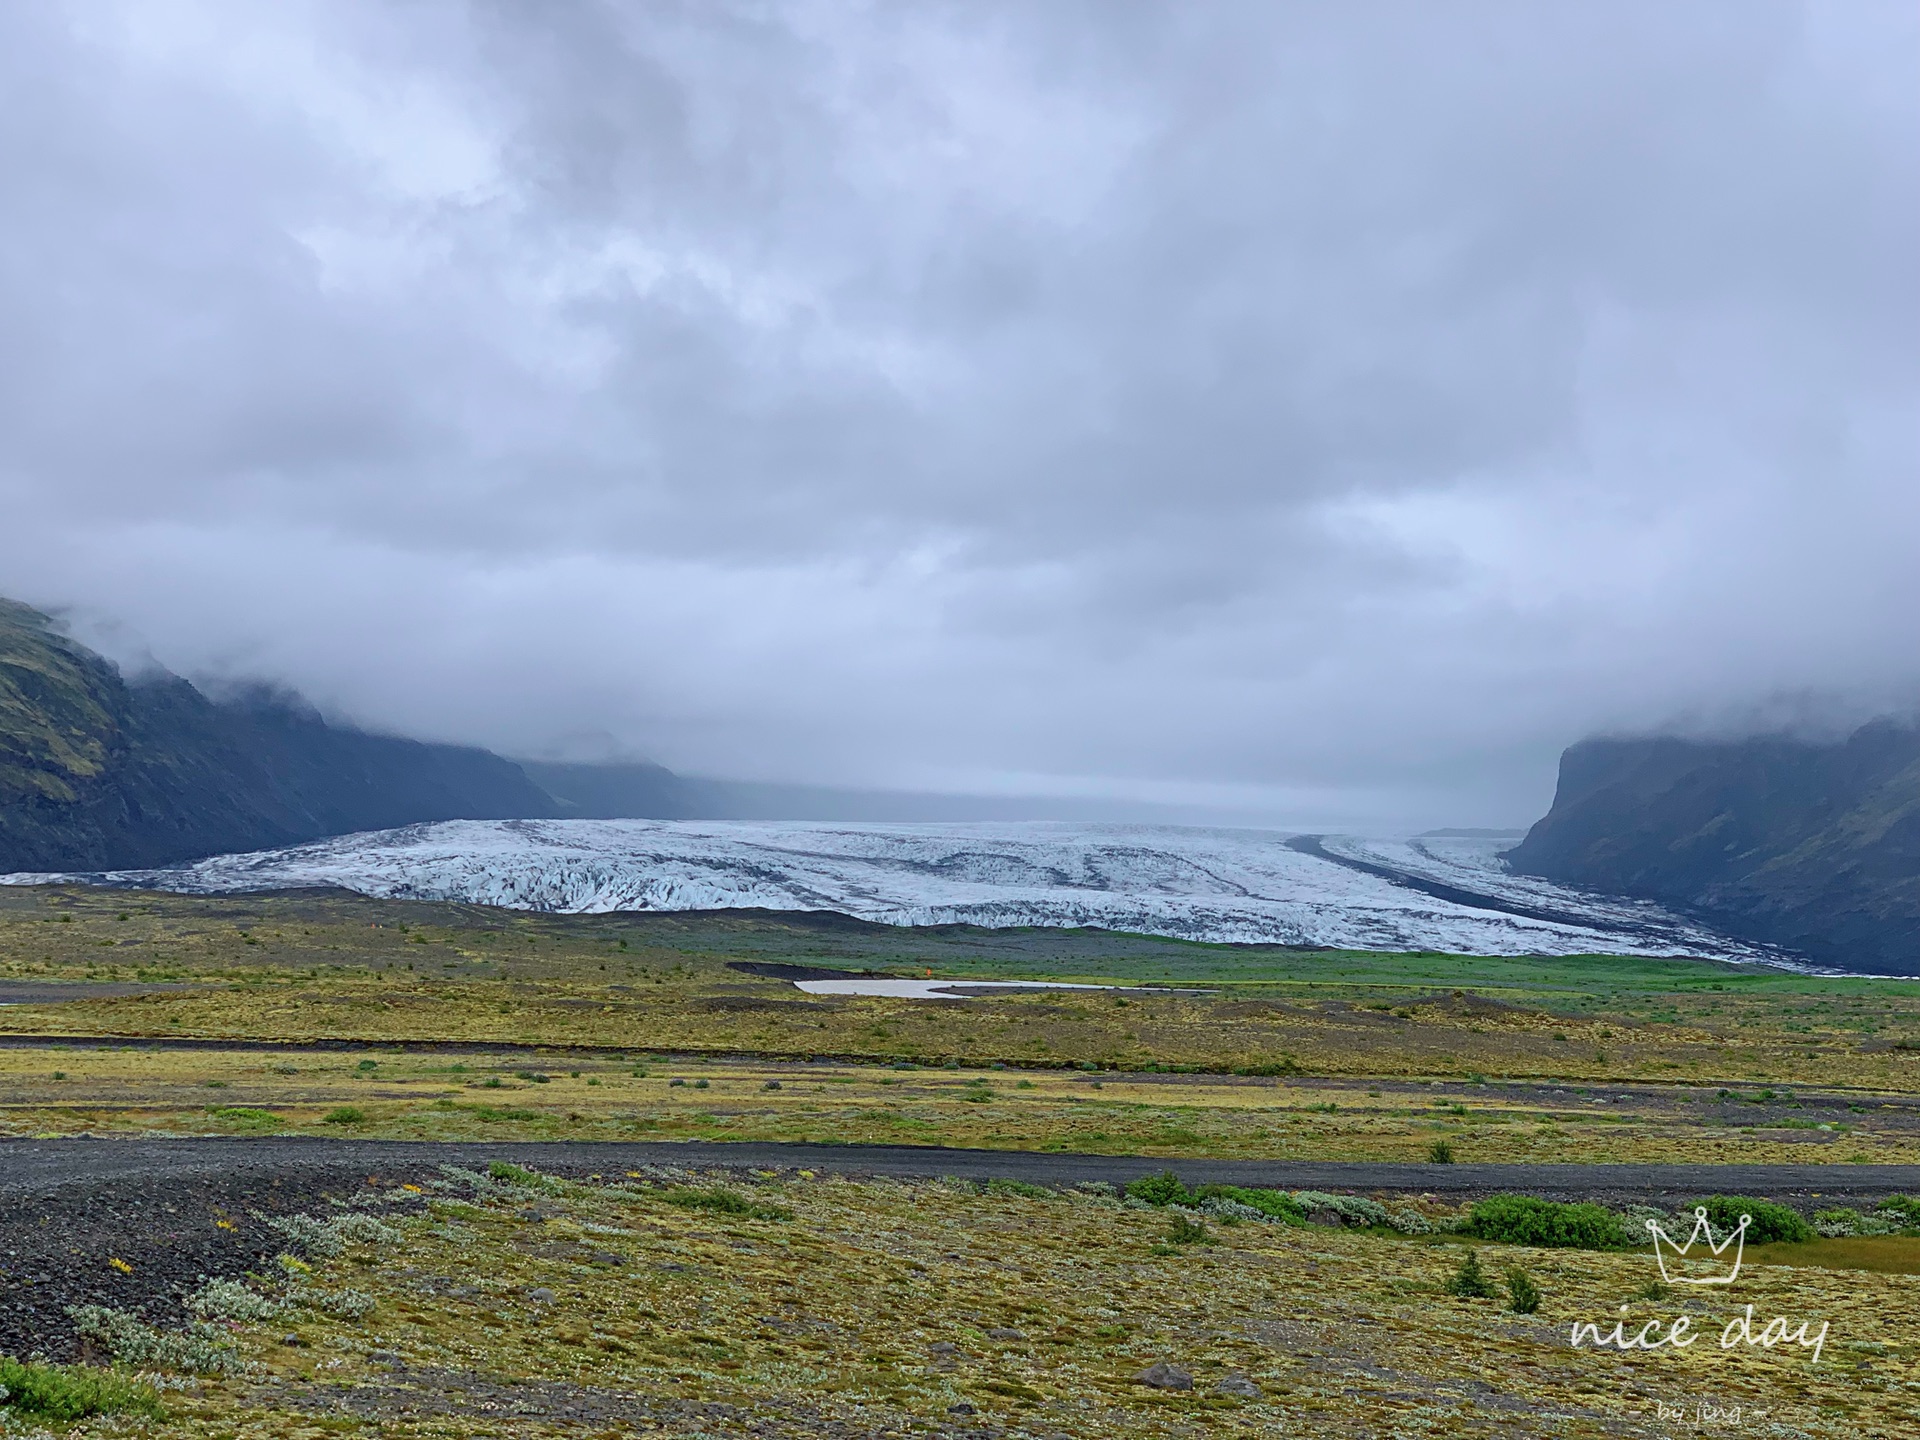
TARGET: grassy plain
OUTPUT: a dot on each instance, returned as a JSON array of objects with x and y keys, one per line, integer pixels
[
  {"x": 886, "y": 1308},
  {"x": 525, "y": 1026}
]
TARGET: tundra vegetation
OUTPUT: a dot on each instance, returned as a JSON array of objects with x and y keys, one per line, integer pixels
[
  {"x": 791, "y": 1304},
  {"x": 534, "y": 1304},
  {"x": 594, "y": 1027}
]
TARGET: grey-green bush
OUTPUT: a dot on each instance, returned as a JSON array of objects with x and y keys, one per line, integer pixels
[
  {"x": 340, "y": 1304},
  {"x": 1353, "y": 1209},
  {"x": 200, "y": 1349},
  {"x": 233, "y": 1300}
]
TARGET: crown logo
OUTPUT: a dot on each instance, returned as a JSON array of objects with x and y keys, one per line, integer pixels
[{"x": 1736, "y": 1241}]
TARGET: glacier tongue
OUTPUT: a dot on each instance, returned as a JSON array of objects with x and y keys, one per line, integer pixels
[{"x": 1221, "y": 885}]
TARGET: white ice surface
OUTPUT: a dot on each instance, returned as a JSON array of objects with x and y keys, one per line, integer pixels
[{"x": 1222, "y": 885}]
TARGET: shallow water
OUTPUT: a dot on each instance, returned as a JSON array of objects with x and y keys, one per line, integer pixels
[{"x": 933, "y": 989}]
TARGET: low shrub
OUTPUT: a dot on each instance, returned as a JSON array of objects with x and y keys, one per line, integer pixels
[
  {"x": 1183, "y": 1229},
  {"x": 1271, "y": 1204},
  {"x": 344, "y": 1115},
  {"x": 722, "y": 1201},
  {"x": 1470, "y": 1281},
  {"x": 364, "y": 1230},
  {"x": 1246, "y": 1203},
  {"x": 1162, "y": 1189},
  {"x": 200, "y": 1349},
  {"x": 1409, "y": 1221},
  {"x": 476, "y": 1184},
  {"x": 73, "y": 1392},
  {"x": 1018, "y": 1187},
  {"x": 232, "y": 1300},
  {"x": 1232, "y": 1212},
  {"x": 1771, "y": 1223},
  {"x": 1527, "y": 1220},
  {"x": 526, "y": 1179},
  {"x": 327, "y": 1238},
  {"x": 1903, "y": 1210},
  {"x": 305, "y": 1232},
  {"x": 493, "y": 1112},
  {"x": 1523, "y": 1296},
  {"x": 1352, "y": 1209},
  {"x": 340, "y": 1304},
  {"x": 1635, "y": 1217},
  {"x": 1837, "y": 1222}
]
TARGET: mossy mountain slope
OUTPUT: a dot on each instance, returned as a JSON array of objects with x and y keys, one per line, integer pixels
[
  {"x": 99, "y": 773},
  {"x": 1812, "y": 846}
]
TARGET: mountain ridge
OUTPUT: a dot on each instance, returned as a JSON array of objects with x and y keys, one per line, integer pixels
[
  {"x": 97, "y": 772},
  {"x": 1808, "y": 845}
]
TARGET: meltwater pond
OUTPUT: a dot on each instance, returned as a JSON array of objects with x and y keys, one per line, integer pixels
[{"x": 959, "y": 989}]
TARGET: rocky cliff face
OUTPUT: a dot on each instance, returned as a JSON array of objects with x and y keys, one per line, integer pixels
[
  {"x": 98, "y": 773},
  {"x": 1815, "y": 847}
]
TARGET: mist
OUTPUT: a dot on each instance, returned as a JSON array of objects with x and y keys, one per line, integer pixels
[{"x": 1297, "y": 414}]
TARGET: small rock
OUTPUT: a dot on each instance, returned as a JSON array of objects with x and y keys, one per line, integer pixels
[
  {"x": 1237, "y": 1385},
  {"x": 1163, "y": 1376},
  {"x": 1331, "y": 1218},
  {"x": 943, "y": 1347},
  {"x": 540, "y": 1295},
  {"x": 1002, "y": 1332},
  {"x": 290, "y": 1338},
  {"x": 963, "y": 1408},
  {"x": 386, "y": 1359}
]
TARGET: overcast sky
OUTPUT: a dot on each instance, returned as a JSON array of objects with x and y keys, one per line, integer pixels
[{"x": 1318, "y": 412}]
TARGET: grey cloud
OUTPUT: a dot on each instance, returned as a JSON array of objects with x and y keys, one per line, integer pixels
[{"x": 1232, "y": 400}]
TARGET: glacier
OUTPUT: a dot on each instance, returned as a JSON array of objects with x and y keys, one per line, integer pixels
[{"x": 1235, "y": 885}]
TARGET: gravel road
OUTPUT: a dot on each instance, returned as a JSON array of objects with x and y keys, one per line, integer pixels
[{"x": 30, "y": 1167}]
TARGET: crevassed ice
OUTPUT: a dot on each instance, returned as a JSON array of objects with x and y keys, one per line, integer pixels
[{"x": 1202, "y": 884}]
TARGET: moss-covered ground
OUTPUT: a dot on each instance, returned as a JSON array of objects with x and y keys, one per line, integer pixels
[{"x": 880, "y": 1308}]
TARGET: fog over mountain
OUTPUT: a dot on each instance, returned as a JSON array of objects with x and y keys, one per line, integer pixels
[{"x": 1312, "y": 413}]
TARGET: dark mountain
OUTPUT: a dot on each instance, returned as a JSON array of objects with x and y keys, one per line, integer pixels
[
  {"x": 1815, "y": 847},
  {"x": 631, "y": 790},
  {"x": 100, "y": 773}
]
